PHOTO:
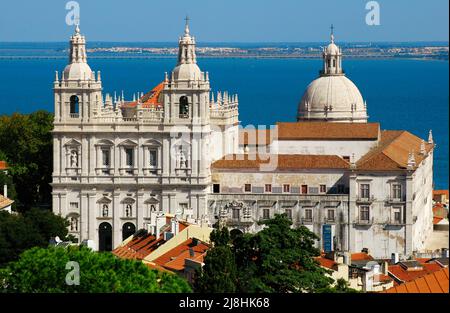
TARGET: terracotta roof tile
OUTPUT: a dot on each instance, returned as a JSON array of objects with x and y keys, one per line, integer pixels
[
  {"x": 3, "y": 165},
  {"x": 327, "y": 263},
  {"x": 283, "y": 162},
  {"x": 361, "y": 256},
  {"x": 436, "y": 282},
  {"x": 327, "y": 130},
  {"x": 150, "y": 99},
  {"x": 392, "y": 152},
  {"x": 440, "y": 192},
  {"x": 175, "y": 258},
  {"x": 4, "y": 202}
]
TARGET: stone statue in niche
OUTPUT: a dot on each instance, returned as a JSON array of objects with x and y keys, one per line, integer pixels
[
  {"x": 105, "y": 210},
  {"x": 128, "y": 210},
  {"x": 182, "y": 159},
  {"x": 73, "y": 224},
  {"x": 74, "y": 158}
]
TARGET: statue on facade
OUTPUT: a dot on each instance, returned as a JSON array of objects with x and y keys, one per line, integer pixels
[
  {"x": 182, "y": 159},
  {"x": 128, "y": 210},
  {"x": 74, "y": 159},
  {"x": 73, "y": 224},
  {"x": 105, "y": 210}
]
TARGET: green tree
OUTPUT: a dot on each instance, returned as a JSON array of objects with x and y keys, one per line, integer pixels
[
  {"x": 19, "y": 232},
  {"x": 26, "y": 144},
  {"x": 218, "y": 275},
  {"x": 44, "y": 270},
  {"x": 279, "y": 258}
]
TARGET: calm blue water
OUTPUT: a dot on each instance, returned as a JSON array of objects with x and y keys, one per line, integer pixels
[{"x": 401, "y": 94}]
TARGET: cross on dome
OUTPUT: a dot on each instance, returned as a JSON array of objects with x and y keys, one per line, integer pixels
[
  {"x": 186, "y": 27},
  {"x": 332, "y": 33}
]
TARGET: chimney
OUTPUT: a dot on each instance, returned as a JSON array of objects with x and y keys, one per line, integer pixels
[
  {"x": 5, "y": 190},
  {"x": 347, "y": 258},
  {"x": 385, "y": 268},
  {"x": 395, "y": 258}
]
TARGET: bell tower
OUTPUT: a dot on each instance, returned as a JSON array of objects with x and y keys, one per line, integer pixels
[
  {"x": 186, "y": 91},
  {"x": 78, "y": 92},
  {"x": 332, "y": 58}
]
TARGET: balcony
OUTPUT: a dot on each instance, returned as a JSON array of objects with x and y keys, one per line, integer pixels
[
  {"x": 306, "y": 220},
  {"x": 74, "y": 115},
  {"x": 363, "y": 222},
  {"x": 329, "y": 220},
  {"x": 365, "y": 200},
  {"x": 391, "y": 200}
]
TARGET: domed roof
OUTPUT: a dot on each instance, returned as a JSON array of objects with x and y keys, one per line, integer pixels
[
  {"x": 332, "y": 48},
  {"x": 77, "y": 71},
  {"x": 332, "y": 97},
  {"x": 187, "y": 71}
]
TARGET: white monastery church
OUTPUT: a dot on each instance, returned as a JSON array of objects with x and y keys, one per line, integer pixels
[{"x": 180, "y": 150}]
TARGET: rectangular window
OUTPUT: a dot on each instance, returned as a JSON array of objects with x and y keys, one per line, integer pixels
[
  {"x": 236, "y": 214},
  {"x": 129, "y": 157},
  {"x": 308, "y": 214},
  {"x": 364, "y": 191},
  {"x": 364, "y": 214},
  {"x": 248, "y": 187},
  {"x": 396, "y": 191},
  {"x": 266, "y": 214},
  {"x": 268, "y": 188},
  {"x": 288, "y": 213},
  {"x": 397, "y": 214},
  {"x": 323, "y": 188},
  {"x": 216, "y": 188},
  {"x": 153, "y": 158},
  {"x": 346, "y": 158},
  {"x": 286, "y": 188},
  {"x": 304, "y": 189},
  {"x": 330, "y": 215},
  {"x": 105, "y": 157}
]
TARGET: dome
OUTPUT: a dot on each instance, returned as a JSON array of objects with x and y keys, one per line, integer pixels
[
  {"x": 332, "y": 48},
  {"x": 77, "y": 71},
  {"x": 187, "y": 71},
  {"x": 332, "y": 97}
]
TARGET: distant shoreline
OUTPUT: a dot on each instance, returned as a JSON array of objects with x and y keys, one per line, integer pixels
[{"x": 309, "y": 57}]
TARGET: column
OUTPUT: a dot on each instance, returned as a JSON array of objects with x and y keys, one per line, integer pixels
[
  {"x": 409, "y": 214},
  {"x": 56, "y": 156},
  {"x": 116, "y": 227},
  {"x": 84, "y": 220},
  {"x": 140, "y": 209}
]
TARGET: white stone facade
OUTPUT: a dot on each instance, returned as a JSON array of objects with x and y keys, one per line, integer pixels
[{"x": 117, "y": 163}]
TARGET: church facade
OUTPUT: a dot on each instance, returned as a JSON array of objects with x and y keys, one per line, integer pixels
[{"x": 179, "y": 149}]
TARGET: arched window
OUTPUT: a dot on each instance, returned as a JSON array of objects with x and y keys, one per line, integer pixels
[
  {"x": 184, "y": 107},
  {"x": 74, "y": 105},
  {"x": 334, "y": 62}
]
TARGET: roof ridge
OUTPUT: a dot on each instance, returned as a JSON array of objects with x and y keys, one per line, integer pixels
[{"x": 383, "y": 148}]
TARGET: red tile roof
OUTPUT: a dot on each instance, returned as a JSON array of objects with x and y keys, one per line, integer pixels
[
  {"x": 399, "y": 272},
  {"x": 327, "y": 263},
  {"x": 361, "y": 256},
  {"x": 326, "y": 131},
  {"x": 440, "y": 192},
  {"x": 393, "y": 151},
  {"x": 175, "y": 258},
  {"x": 435, "y": 282},
  {"x": 3, "y": 165},
  {"x": 150, "y": 99},
  {"x": 283, "y": 162},
  {"x": 4, "y": 202}
]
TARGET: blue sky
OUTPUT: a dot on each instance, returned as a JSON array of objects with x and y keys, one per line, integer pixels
[{"x": 226, "y": 20}]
